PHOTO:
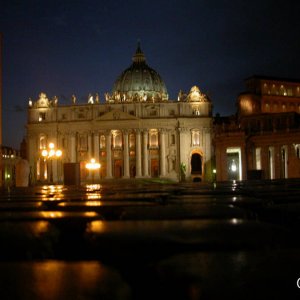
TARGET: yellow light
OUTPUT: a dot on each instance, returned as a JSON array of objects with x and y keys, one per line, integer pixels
[
  {"x": 94, "y": 196},
  {"x": 93, "y": 165},
  {"x": 51, "y": 152},
  {"x": 44, "y": 153},
  {"x": 93, "y": 203},
  {"x": 58, "y": 153},
  {"x": 90, "y": 214},
  {"x": 96, "y": 227},
  {"x": 51, "y": 145},
  {"x": 52, "y": 214}
]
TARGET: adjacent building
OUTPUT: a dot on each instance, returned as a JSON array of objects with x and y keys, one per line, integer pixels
[
  {"x": 136, "y": 132},
  {"x": 9, "y": 159},
  {"x": 263, "y": 139}
]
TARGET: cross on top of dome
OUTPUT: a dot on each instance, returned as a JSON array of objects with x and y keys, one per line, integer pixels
[{"x": 139, "y": 56}]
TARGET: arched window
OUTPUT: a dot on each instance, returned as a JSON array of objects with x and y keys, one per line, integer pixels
[
  {"x": 153, "y": 138},
  {"x": 273, "y": 90},
  {"x": 282, "y": 90},
  {"x": 102, "y": 142},
  {"x": 267, "y": 106},
  {"x": 131, "y": 140},
  {"x": 117, "y": 139},
  {"x": 43, "y": 142}
]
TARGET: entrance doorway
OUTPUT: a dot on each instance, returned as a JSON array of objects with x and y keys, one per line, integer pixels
[
  {"x": 118, "y": 168},
  {"x": 234, "y": 164},
  {"x": 154, "y": 168},
  {"x": 196, "y": 164}
]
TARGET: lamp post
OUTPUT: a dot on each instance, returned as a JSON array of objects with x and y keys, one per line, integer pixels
[
  {"x": 215, "y": 174},
  {"x": 49, "y": 154},
  {"x": 92, "y": 166}
]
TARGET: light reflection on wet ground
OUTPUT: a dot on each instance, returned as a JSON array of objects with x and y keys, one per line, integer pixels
[{"x": 151, "y": 241}]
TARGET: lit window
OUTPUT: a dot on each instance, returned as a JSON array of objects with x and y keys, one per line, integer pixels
[
  {"x": 282, "y": 91},
  {"x": 153, "y": 138},
  {"x": 290, "y": 92},
  {"x": 195, "y": 138},
  {"x": 102, "y": 142},
  {"x": 131, "y": 140},
  {"x": 43, "y": 142},
  {"x": 42, "y": 116},
  {"x": 258, "y": 158},
  {"x": 82, "y": 143},
  {"x": 117, "y": 139}
]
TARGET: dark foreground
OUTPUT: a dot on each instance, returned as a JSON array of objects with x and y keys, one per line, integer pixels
[{"x": 151, "y": 241}]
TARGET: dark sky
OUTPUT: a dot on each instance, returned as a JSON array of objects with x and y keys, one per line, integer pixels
[{"x": 80, "y": 47}]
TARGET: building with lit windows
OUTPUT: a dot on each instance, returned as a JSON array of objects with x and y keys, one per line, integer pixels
[
  {"x": 263, "y": 139},
  {"x": 135, "y": 132},
  {"x": 10, "y": 158}
]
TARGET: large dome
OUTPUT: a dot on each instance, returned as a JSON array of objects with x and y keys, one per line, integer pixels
[{"x": 139, "y": 82}]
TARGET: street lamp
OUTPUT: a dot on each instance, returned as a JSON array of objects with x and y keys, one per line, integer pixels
[
  {"x": 51, "y": 153},
  {"x": 92, "y": 166}
]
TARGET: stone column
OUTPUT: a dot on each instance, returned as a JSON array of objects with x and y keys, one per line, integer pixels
[
  {"x": 96, "y": 153},
  {"x": 90, "y": 146},
  {"x": 90, "y": 153},
  {"x": 182, "y": 150},
  {"x": 108, "y": 155},
  {"x": 162, "y": 147},
  {"x": 138, "y": 154},
  {"x": 33, "y": 157},
  {"x": 73, "y": 147},
  {"x": 126, "y": 155},
  {"x": 207, "y": 167},
  {"x": 145, "y": 153}
]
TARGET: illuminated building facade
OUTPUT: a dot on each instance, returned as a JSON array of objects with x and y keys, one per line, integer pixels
[
  {"x": 136, "y": 132},
  {"x": 263, "y": 139}
]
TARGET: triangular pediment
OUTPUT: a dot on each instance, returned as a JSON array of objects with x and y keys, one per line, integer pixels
[{"x": 117, "y": 114}]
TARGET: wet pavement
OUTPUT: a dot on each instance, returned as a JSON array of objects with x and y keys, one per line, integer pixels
[{"x": 146, "y": 240}]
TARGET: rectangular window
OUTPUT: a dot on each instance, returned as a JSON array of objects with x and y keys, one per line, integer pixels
[
  {"x": 195, "y": 138},
  {"x": 153, "y": 113},
  {"x": 83, "y": 143},
  {"x": 258, "y": 158},
  {"x": 42, "y": 116},
  {"x": 173, "y": 139}
]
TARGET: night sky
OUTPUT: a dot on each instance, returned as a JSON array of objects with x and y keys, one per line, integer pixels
[{"x": 80, "y": 47}]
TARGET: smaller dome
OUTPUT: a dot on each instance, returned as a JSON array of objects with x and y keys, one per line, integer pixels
[
  {"x": 139, "y": 82},
  {"x": 195, "y": 95}
]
